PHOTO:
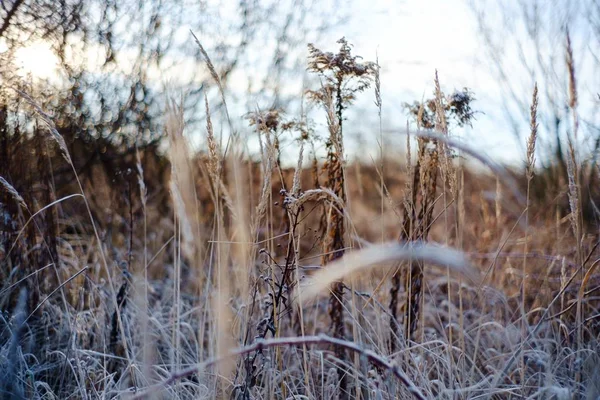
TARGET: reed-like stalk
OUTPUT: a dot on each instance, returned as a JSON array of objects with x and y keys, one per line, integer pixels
[
  {"x": 343, "y": 76},
  {"x": 529, "y": 173}
]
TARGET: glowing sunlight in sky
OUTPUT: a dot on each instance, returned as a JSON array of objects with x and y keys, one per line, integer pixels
[{"x": 36, "y": 60}]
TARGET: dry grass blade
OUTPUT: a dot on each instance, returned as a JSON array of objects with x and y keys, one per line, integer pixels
[
  {"x": 211, "y": 68},
  {"x": 54, "y": 292},
  {"x": 269, "y": 155},
  {"x": 215, "y": 76},
  {"x": 379, "y": 254},
  {"x": 13, "y": 193},
  {"x": 296, "y": 180},
  {"x": 48, "y": 121},
  {"x": 316, "y": 195},
  {"x": 17, "y": 283},
  {"x": 586, "y": 279},
  {"x": 41, "y": 210},
  {"x": 182, "y": 183}
]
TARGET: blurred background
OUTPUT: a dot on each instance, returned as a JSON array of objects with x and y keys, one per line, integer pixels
[{"x": 106, "y": 68}]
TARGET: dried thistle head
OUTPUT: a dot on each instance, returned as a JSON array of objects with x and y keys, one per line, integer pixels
[
  {"x": 459, "y": 106},
  {"x": 456, "y": 106},
  {"x": 341, "y": 73},
  {"x": 303, "y": 126},
  {"x": 342, "y": 64},
  {"x": 265, "y": 121}
]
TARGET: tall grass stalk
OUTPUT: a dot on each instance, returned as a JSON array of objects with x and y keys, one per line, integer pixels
[
  {"x": 574, "y": 178},
  {"x": 529, "y": 173}
]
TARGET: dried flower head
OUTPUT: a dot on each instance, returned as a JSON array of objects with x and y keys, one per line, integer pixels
[
  {"x": 342, "y": 73},
  {"x": 457, "y": 107},
  {"x": 265, "y": 120},
  {"x": 533, "y": 134}
]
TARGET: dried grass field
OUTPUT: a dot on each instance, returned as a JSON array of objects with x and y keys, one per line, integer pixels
[{"x": 144, "y": 273}]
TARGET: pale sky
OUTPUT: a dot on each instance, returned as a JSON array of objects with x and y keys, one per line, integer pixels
[
  {"x": 412, "y": 38},
  {"x": 415, "y": 37}
]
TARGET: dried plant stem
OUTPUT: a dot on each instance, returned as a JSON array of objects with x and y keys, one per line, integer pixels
[
  {"x": 448, "y": 179},
  {"x": 217, "y": 79},
  {"x": 262, "y": 344},
  {"x": 574, "y": 178},
  {"x": 495, "y": 167},
  {"x": 416, "y": 226},
  {"x": 529, "y": 174},
  {"x": 414, "y": 282},
  {"x": 378, "y": 103},
  {"x": 334, "y": 249},
  {"x": 336, "y": 93},
  {"x": 409, "y": 218}
]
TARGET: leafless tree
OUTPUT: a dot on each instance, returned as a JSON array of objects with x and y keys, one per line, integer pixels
[{"x": 138, "y": 45}]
